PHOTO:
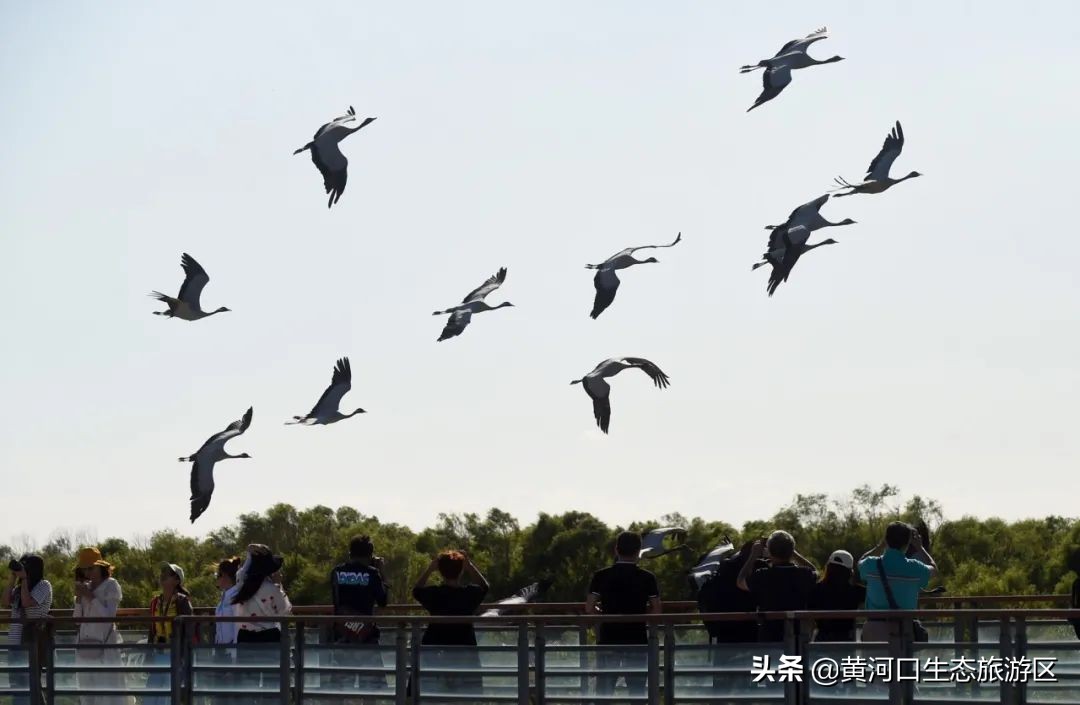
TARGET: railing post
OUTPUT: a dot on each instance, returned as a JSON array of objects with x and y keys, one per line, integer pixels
[
  {"x": 1021, "y": 652},
  {"x": 539, "y": 644},
  {"x": 33, "y": 660},
  {"x": 176, "y": 659},
  {"x": 301, "y": 654},
  {"x": 654, "y": 665},
  {"x": 414, "y": 691},
  {"x": 896, "y": 651},
  {"x": 1005, "y": 651},
  {"x": 523, "y": 663},
  {"x": 284, "y": 664},
  {"x": 791, "y": 647},
  {"x": 806, "y": 628},
  {"x": 401, "y": 665},
  {"x": 50, "y": 661},
  {"x": 669, "y": 663},
  {"x": 187, "y": 677},
  {"x": 583, "y": 657}
]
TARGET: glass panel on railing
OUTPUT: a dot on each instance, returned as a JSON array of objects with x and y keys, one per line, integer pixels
[
  {"x": 14, "y": 657},
  {"x": 958, "y": 673},
  {"x": 705, "y": 671},
  {"x": 240, "y": 668},
  {"x": 848, "y": 671},
  {"x": 1051, "y": 666},
  {"x": 467, "y": 672},
  {"x": 355, "y": 669},
  {"x": 601, "y": 671}
]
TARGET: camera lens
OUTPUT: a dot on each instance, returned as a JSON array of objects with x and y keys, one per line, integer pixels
[{"x": 14, "y": 566}]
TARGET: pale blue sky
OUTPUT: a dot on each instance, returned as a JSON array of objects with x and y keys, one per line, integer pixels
[{"x": 935, "y": 347}]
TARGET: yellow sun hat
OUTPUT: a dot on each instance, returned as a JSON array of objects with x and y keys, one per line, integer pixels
[{"x": 90, "y": 557}]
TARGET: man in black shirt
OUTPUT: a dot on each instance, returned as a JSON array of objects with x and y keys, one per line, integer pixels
[
  {"x": 623, "y": 588},
  {"x": 357, "y": 587},
  {"x": 785, "y": 585},
  {"x": 721, "y": 594}
]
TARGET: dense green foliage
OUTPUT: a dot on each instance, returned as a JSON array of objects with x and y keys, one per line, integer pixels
[{"x": 976, "y": 556}]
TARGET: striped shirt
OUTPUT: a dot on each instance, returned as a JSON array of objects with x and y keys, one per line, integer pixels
[{"x": 42, "y": 594}]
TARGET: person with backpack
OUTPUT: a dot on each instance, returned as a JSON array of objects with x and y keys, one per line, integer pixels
[{"x": 720, "y": 593}]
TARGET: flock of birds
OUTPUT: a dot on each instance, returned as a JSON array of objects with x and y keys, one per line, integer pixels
[{"x": 787, "y": 243}]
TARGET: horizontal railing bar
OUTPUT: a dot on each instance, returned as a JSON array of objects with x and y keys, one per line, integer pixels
[
  {"x": 579, "y": 607},
  {"x": 578, "y": 620}
]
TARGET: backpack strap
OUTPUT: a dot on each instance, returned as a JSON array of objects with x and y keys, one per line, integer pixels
[{"x": 885, "y": 583}]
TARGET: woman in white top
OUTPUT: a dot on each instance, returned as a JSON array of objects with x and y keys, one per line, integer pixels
[
  {"x": 260, "y": 596},
  {"x": 97, "y": 594}
]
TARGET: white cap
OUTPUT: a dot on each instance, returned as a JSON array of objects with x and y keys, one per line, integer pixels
[
  {"x": 843, "y": 558},
  {"x": 175, "y": 570}
]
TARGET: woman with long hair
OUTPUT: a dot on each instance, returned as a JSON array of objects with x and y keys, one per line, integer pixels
[
  {"x": 97, "y": 594},
  {"x": 29, "y": 596},
  {"x": 259, "y": 596},
  {"x": 835, "y": 592},
  {"x": 225, "y": 577}
]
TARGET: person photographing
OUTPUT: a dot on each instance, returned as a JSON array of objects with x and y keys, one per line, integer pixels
[
  {"x": 29, "y": 596},
  {"x": 785, "y": 585}
]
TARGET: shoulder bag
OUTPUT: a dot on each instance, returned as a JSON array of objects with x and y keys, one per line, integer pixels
[{"x": 920, "y": 633}]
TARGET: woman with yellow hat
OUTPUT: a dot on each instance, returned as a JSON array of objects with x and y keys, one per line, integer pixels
[{"x": 97, "y": 594}]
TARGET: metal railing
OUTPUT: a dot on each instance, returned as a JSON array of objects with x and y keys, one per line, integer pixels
[
  {"x": 531, "y": 659},
  {"x": 677, "y": 606}
]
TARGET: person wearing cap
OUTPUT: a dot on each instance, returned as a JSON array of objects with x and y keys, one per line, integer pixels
[
  {"x": 171, "y": 602},
  {"x": 837, "y": 592},
  {"x": 97, "y": 594},
  {"x": 784, "y": 586}
]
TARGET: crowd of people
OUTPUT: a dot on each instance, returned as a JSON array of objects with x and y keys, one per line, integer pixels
[{"x": 765, "y": 575}]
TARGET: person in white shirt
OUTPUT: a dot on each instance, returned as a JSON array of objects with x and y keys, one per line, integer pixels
[
  {"x": 260, "y": 596},
  {"x": 225, "y": 632},
  {"x": 97, "y": 594}
]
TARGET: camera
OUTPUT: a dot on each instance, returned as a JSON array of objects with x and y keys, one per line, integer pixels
[{"x": 14, "y": 566}]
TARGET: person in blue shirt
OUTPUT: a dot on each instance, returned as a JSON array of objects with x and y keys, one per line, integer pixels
[{"x": 905, "y": 576}]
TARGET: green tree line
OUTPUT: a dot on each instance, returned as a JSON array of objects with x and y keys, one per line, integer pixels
[{"x": 975, "y": 556}]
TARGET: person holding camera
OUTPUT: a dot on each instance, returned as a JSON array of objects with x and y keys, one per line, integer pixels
[
  {"x": 259, "y": 596},
  {"x": 97, "y": 594},
  {"x": 893, "y": 580},
  {"x": 358, "y": 587},
  {"x": 29, "y": 596},
  {"x": 721, "y": 593},
  {"x": 837, "y": 592},
  {"x": 462, "y": 592},
  {"x": 783, "y": 586}
]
